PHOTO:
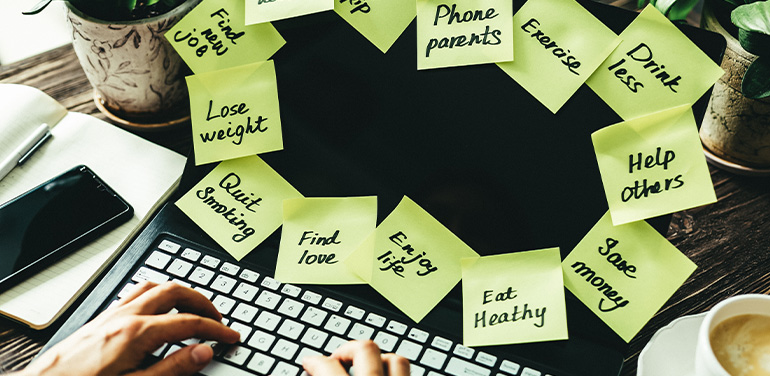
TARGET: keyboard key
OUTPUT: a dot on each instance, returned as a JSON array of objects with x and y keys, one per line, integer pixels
[
  {"x": 510, "y": 367},
  {"x": 332, "y": 304},
  {"x": 217, "y": 368},
  {"x": 261, "y": 340},
  {"x": 418, "y": 335},
  {"x": 261, "y": 363},
  {"x": 245, "y": 291},
  {"x": 268, "y": 299},
  {"x": 191, "y": 254},
  {"x": 285, "y": 349},
  {"x": 334, "y": 343},
  {"x": 441, "y": 343},
  {"x": 432, "y": 358},
  {"x": 181, "y": 282},
  {"x": 208, "y": 294},
  {"x": 459, "y": 367},
  {"x": 486, "y": 359},
  {"x": 201, "y": 276},
  {"x": 355, "y": 313},
  {"x": 237, "y": 355},
  {"x": 375, "y": 320},
  {"x": 146, "y": 274},
  {"x": 210, "y": 261},
  {"x": 314, "y": 337},
  {"x": 285, "y": 369},
  {"x": 169, "y": 246},
  {"x": 314, "y": 316},
  {"x": 223, "y": 284},
  {"x": 465, "y": 352},
  {"x": 171, "y": 350},
  {"x": 179, "y": 268},
  {"x": 270, "y": 283},
  {"x": 245, "y": 312},
  {"x": 267, "y": 320},
  {"x": 249, "y": 275},
  {"x": 290, "y": 307},
  {"x": 244, "y": 330},
  {"x": 311, "y": 297},
  {"x": 361, "y": 332},
  {"x": 385, "y": 341},
  {"x": 409, "y": 350},
  {"x": 396, "y": 327},
  {"x": 337, "y": 324},
  {"x": 126, "y": 290},
  {"x": 158, "y": 260},
  {"x": 530, "y": 372},
  {"x": 291, "y": 329},
  {"x": 223, "y": 304},
  {"x": 291, "y": 290},
  {"x": 305, "y": 352},
  {"x": 415, "y": 370},
  {"x": 230, "y": 268}
]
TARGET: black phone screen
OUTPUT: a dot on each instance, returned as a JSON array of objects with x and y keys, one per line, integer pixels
[{"x": 55, "y": 218}]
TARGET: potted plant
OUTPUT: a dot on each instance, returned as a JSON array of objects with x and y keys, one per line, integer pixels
[
  {"x": 138, "y": 77},
  {"x": 736, "y": 128}
]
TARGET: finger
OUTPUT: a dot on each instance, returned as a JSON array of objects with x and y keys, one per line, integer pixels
[
  {"x": 186, "y": 361},
  {"x": 138, "y": 289},
  {"x": 163, "y": 298},
  {"x": 321, "y": 365},
  {"x": 162, "y": 329},
  {"x": 395, "y": 365},
  {"x": 363, "y": 355}
]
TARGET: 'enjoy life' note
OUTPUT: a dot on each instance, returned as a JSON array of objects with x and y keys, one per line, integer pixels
[
  {"x": 513, "y": 298},
  {"x": 260, "y": 11},
  {"x": 379, "y": 21}
]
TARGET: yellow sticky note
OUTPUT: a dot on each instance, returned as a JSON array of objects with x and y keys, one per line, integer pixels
[
  {"x": 214, "y": 36},
  {"x": 379, "y": 21},
  {"x": 317, "y": 236},
  {"x": 463, "y": 33},
  {"x": 259, "y": 11},
  {"x": 655, "y": 67},
  {"x": 411, "y": 259},
  {"x": 653, "y": 165},
  {"x": 513, "y": 298},
  {"x": 235, "y": 112},
  {"x": 559, "y": 44},
  {"x": 239, "y": 203},
  {"x": 625, "y": 273}
]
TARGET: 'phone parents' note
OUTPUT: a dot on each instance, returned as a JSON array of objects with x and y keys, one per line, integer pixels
[
  {"x": 653, "y": 165},
  {"x": 239, "y": 203},
  {"x": 411, "y": 259},
  {"x": 513, "y": 298},
  {"x": 214, "y": 36},
  {"x": 379, "y": 21},
  {"x": 235, "y": 112},
  {"x": 259, "y": 11},
  {"x": 558, "y": 45},
  {"x": 655, "y": 67},
  {"x": 465, "y": 32},
  {"x": 317, "y": 236},
  {"x": 625, "y": 273}
]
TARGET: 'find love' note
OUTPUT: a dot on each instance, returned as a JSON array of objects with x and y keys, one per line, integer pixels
[
  {"x": 259, "y": 11},
  {"x": 379, "y": 21}
]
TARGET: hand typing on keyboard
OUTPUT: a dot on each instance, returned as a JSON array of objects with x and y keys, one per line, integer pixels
[{"x": 363, "y": 355}]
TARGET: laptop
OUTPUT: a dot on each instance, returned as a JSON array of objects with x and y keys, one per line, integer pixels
[{"x": 468, "y": 144}]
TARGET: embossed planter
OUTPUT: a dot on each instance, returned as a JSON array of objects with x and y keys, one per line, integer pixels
[{"x": 138, "y": 78}]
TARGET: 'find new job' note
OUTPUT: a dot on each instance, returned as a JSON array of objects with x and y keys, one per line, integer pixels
[{"x": 379, "y": 21}]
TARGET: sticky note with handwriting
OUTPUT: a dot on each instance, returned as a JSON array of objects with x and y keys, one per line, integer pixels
[
  {"x": 625, "y": 273},
  {"x": 260, "y": 11},
  {"x": 411, "y": 259},
  {"x": 463, "y": 32},
  {"x": 558, "y": 45},
  {"x": 653, "y": 165},
  {"x": 235, "y": 112},
  {"x": 214, "y": 36},
  {"x": 655, "y": 67},
  {"x": 379, "y": 21},
  {"x": 318, "y": 233},
  {"x": 239, "y": 203},
  {"x": 513, "y": 298}
]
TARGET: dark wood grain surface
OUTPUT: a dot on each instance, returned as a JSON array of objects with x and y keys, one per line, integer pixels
[{"x": 728, "y": 240}]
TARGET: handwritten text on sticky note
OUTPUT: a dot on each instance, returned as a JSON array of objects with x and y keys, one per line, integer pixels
[
  {"x": 379, "y": 21},
  {"x": 625, "y": 273},
  {"x": 259, "y": 11}
]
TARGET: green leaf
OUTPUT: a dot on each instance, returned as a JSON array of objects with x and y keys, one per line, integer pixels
[
  {"x": 676, "y": 9},
  {"x": 150, "y": 2},
  {"x": 754, "y": 42},
  {"x": 753, "y": 17},
  {"x": 756, "y": 81}
]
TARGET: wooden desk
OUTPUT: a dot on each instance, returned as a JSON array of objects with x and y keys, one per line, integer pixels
[{"x": 728, "y": 240}]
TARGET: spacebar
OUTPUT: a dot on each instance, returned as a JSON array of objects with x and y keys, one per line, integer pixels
[
  {"x": 216, "y": 368},
  {"x": 459, "y": 367}
]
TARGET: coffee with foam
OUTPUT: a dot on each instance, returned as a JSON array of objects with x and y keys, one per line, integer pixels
[{"x": 741, "y": 344}]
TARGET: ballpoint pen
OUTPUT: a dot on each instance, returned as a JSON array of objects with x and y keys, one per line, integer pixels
[{"x": 20, "y": 155}]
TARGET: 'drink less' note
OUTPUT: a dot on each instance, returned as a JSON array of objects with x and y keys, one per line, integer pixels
[
  {"x": 319, "y": 233},
  {"x": 259, "y": 11},
  {"x": 411, "y": 259},
  {"x": 653, "y": 165},
  {"x": 235, "y": 112},
  {"x": 558, "y": 45},
  {"x": 463, "y": 32},
  {"x": 655, "y": 67},
  {"x": 239, "y": 203},
  {"x": 214, "y": 36},
  {"x": 513, "y": 298},
  {"x": 379, "y": 21},
  {"x": 625, "y": 273}
]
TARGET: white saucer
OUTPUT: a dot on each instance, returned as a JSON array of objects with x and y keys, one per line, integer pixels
[{"x": 671, "y": 351}]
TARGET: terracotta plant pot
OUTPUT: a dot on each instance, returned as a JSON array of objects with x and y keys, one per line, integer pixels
[{"x": 138, "y": 78}]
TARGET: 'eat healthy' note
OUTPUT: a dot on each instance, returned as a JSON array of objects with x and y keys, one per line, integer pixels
[
  {"x": 653, "y": 165},
  {"x": 239, "y": 203},
  {"x": 317, "y": 236},
  {"x": 655, "y": 67},
  {"x": 625, "y": 273},
  {"x": 259, "y": 11},
  {"x": 513, "y": 298},
  {"x": 214, "y": 36},
  {"x": 235, "y": 112},
  {"x": 463, "y": 32},
  {"x": 379, "y": 21},
  {"x": 558, "y": 45},
  {"x": 411, "y": 259}
]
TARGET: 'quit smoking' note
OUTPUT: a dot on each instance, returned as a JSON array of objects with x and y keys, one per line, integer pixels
[
  {"x": 513, "y": 298},
  {"x": 260, "y": 11},
  {"x": 379, "y": 21},
  {"x": 625, "y": 273}
]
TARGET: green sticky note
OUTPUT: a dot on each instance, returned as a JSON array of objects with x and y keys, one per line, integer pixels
[
  {"x": 214, "y": 36},
  {"x": 317, "y": 236},
  {"x": 655, "y": 67},
  {"x": 235, "y": 112},
  {"x": 653, "y": 165},
  {"x": 513, "y": 298},
  {"x": 259, "y": 11},
  {"x": 625, "y": 273},
  {"x": 411, "y": 259},
  {"x": 463, "y": 33},
  {"x": 379, "y": 21},
  {"x": 239, "y": 203},
  {"x": 559, "y": 44}
]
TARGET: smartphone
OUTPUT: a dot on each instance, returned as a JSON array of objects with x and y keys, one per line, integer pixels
[{"x": 54, "y": 219}]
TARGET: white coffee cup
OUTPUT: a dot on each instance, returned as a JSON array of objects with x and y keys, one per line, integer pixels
[{"x": 706, "y": 363}]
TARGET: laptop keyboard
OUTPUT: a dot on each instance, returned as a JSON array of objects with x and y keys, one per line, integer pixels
[{"x": 281, "y": 323}]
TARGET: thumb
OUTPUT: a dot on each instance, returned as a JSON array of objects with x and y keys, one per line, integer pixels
[{"x": 186, "y": 361}]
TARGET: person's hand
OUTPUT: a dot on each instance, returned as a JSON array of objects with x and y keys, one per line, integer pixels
[
  {"x": 116, "y": 341},
  {"x": 363, "y": 356}
]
